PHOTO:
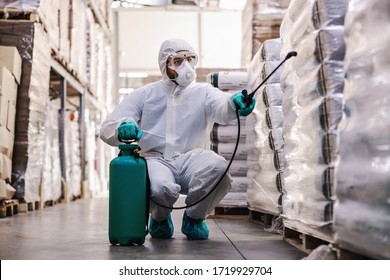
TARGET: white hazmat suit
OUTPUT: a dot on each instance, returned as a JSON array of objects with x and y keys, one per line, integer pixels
[{"x": 176, "y": 122}]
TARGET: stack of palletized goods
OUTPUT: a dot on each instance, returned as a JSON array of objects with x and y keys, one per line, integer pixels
[
  {"x": 312, "y": 85},
  {"x": 51, "y": 173},
  {"x": 78, "y": 39},
  {"x": 362, "y": 212},
  {"x": 10, "y": 72},
  {"x": 267, "y": 17},
  {"x": 224, "y": 138},
  {"x": 31, "y": 109},
  {"x": 264, "y": 132},
  {"x": 72, "y": 154}
]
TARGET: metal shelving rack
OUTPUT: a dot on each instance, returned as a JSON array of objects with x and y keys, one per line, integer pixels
[{"x": 68, "y": 85}]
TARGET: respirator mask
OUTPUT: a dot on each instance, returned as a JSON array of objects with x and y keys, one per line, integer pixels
[{"x": 183, "y": 64}]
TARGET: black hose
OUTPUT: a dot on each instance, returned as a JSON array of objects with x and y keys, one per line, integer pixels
[{"x": 220, "y": 179}]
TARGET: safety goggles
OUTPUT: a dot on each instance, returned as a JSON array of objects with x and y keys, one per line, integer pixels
[{"x": 178, "y": 59}]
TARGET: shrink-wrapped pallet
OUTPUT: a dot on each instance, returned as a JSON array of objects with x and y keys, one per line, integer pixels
[
  {"x": 312, "y": 85},
  {"x": 264, "y": 138},
  {"x": 51, "y": 175},
  {"x": 362, "y": 213}
]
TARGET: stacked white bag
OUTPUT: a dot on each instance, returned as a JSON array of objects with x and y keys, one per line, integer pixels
[
  {"x": 224, "y": 137},
  {"x": 362, "y": 211},
  {"x": 312, "y": 85},
  {"x": 264, "y": 132}
]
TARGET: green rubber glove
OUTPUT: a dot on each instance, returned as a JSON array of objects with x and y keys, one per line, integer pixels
[
  {"x": 129, "y": 131},
  {"x": 242, "y": 109}
]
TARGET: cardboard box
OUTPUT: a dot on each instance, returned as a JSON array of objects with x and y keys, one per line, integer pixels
[
  {"x": 5, "y": 167},
  {"x": 10, "y": 58},
  {"x": 6, "y": 190},
  {"x": 3, "y": 109},
  {"x": 8, "y": 86},
  {"x": 11, "y": 117},
  {"x": 8, "y": 93},
  {"x": 4, "y": 140}
]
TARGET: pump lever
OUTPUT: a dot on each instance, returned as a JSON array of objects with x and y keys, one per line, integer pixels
[
  {"x": 248, "y": 99},
  {"x": 127, "y": 141}
]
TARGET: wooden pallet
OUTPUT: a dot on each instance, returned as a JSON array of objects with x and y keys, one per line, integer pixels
[
  {"x": 344, "y": 254},
  {"x": 20, "y": 15},
  {"x": 29, "y": 206},
  {"x": 50, "y": 203},
  {"x": 261, "y": 217},
  {"x": 230, "y": 213},
  {"x": 304, "y": 242},
  {"x": 8, "y": 207}
]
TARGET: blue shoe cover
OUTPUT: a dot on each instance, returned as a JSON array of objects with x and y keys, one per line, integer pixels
[
  {"x": 163, "y": 229},
  {"x": 194, "y": 229}
]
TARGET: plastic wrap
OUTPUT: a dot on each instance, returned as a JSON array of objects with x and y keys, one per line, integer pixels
[
  {"x": 274, "y": 117},
  {"x": 317, "y": 213},
  {"x": 72, "y": 155},
  {"x": 257, "y": 76},
  {"x": 306, "y": 146},
  {"x": 312, "y": 84},
  {"x": 269, "y": 50},
  {"x": 64, "y": 43},
  {"x": 78, "y": 31},
  {"x": 29, "y": 147},
  {"x": 90, "y": 153},
  {"x": 326, "y": 44},
  {"x": 268, "y": 178},
  {"x": 271, "y": 161},
  {"x": 363, "y": 171},
  {"x": 268, "y": 144},
  {"x": 318, "y": 182},
  {"x": 314, "y": 14},
  {"x": 47, "y": 11},
  {"x": 272, "y": 95},
  {"x": 275, "y": 139},
  {"x": 323, "y": 114},
  {"x": 265, "y": 159},
  {"x": 262, "y": 198},
  {"x": 51, "y": 175},
  {"x": 363, "y": 228}
]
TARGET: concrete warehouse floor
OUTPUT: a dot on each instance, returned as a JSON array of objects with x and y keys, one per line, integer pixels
[{"x": 78, "y": 231}]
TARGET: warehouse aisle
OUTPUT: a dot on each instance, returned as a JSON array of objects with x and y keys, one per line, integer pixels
[{"x": 78, "y": 231}]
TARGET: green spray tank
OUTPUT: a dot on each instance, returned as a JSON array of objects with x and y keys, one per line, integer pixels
[{"x": 128, "y": 197}]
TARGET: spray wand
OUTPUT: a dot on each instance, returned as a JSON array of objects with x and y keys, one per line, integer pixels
[{"x": 248, "y": 99}]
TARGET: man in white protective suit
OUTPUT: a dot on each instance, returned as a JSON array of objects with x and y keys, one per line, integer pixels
[{"x": 172, "y": 119}]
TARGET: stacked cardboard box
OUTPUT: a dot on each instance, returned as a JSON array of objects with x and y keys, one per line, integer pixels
[
  {"x": 267, "y": 18},
  {"x": 10, "y": 72},
  {"x": 31, "y": 41}
]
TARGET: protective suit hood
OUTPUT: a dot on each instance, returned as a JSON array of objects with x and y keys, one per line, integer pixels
[{"x": 168, "y": 48}]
